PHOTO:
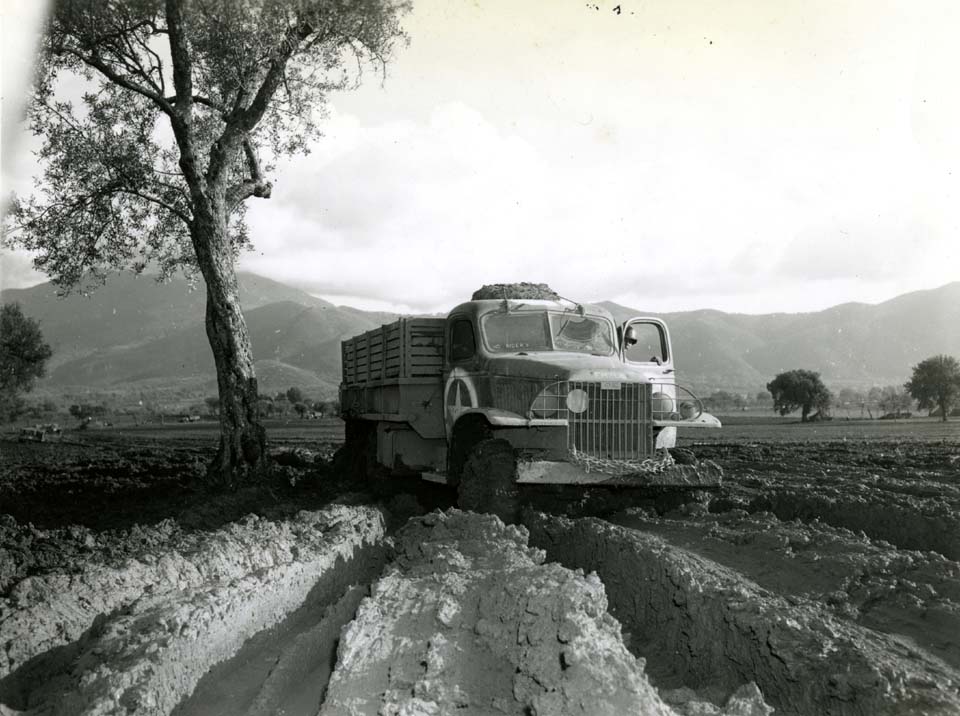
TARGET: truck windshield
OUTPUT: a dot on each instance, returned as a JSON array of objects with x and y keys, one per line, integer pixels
[{"x": 543, "y": 331}]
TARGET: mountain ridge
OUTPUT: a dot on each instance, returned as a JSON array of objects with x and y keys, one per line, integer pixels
[{"x": 134, "y": 331}]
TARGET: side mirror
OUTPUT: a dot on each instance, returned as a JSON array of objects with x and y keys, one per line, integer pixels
[{"x": 630, "y": 337}]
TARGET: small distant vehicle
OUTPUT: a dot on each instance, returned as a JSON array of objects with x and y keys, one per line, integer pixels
[
  {"x": 40, "y": 433},
  {"x": 189, "y": 418},
  {"x": 520, "y": 391}
]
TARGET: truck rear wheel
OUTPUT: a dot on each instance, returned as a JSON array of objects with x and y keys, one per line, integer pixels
[{"x": 488, "y": 482}]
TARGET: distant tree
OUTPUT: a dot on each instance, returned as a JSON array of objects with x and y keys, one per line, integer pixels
[
  {"x": 801, "y": 389},
  {"x": 763, "y": 397},
  {"x": 23, "y": 358},
  {"x": 294, "y": 395},
  {"x": 894, "y": 399},
  {"x": 848, "y": 397},
  {"x": 213, "y": 404},
  {"x": 724, "y": 400},
  {"x": 935, "y": 383},
  {"x": 267, "y": 407},
  {"x": 301, "y": 408},
  {"x": 154, "y": 164},
  {"x": 88, "y": 410}
]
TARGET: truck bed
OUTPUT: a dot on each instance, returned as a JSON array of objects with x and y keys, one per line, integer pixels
[{"x": 410, "y": 348}]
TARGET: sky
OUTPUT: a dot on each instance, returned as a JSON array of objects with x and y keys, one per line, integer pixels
[{"x": 745, "y": 155}]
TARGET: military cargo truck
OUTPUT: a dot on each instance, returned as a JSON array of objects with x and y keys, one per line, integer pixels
[{"x": 508, "y": 392}]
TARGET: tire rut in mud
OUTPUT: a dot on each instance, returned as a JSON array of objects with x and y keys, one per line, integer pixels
[
  {"x": 909, "y": 522},
  {"x": 905, "y": 593},
  {"x": 148, "y": 651},
  {"x": 701, "y": 625}
]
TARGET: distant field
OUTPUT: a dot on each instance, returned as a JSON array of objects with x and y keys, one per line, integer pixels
[
  {"x": 206, "y": 431},
  {"x": 755, "y": 428},
  {"x": 736, "y": 429}
]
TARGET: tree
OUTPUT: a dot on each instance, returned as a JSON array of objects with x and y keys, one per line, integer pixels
[
  {"x": 935, "y": 383},
  {"x": 894, "y": 399},
  {"x": 23, "y": 358},
  {"x": 300, "y": 408},
  {"x": 294, "y": 395},
  {"x": 213, "y": 404},
  {"x": 848, "y": 397},
  {"x": 801, "y": 389},
  {"x": 184, "y": 101}
]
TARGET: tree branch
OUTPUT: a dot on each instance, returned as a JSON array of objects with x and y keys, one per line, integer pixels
[
  {"x": 159, "y": 202},
  {"x": 183, "y": 86},
  {"x": 107, "y": 71},
  {"x": 200, "y": 99},
  {"x": 255, "y": 186},
  {"x": 180, "y": 56}
]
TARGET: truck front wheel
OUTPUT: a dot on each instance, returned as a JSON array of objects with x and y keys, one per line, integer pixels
[{"x": 488, "y": 482}]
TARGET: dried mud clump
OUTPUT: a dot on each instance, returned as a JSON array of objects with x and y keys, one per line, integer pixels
[
  {"x": 470, "y": 620},
  {"x": 515, "y": 291}
]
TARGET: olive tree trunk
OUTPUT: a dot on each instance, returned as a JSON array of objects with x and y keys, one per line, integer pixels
[{"x": 241, "y": 456}]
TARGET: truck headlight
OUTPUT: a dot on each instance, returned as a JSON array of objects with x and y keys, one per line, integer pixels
[
  {"x": 577, "y": 401},
  {"x": 662, "y": 405},
  {"x": 688, "y": 411},
  {"x": 548, "y": 404}
]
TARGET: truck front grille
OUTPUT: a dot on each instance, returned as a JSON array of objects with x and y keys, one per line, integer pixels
[{"x": 616, "y": 424}]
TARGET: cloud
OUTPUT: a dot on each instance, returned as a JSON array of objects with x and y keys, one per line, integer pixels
[
  {"x": 421, "y": 213},
  {"x": 766, "y": 157},
  {"x": 16, "y": 270}
]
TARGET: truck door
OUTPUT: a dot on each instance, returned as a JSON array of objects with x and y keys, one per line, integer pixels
[
  {"x": 460, "y": 392},
  {"x": 645, "y": 344}
]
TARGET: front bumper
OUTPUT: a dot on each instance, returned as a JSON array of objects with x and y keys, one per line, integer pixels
[{"x": 551, "y": 472}]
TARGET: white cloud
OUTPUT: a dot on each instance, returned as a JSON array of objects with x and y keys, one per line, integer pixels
[{"x": 749, "y": 156}]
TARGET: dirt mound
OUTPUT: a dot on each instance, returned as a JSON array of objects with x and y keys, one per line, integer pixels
[
  {"x": 515, "y": 291},
  {"x": 702, "y": 625},
  {"x": 470, "y": 619},
  {"x": 138, "y": 639}
]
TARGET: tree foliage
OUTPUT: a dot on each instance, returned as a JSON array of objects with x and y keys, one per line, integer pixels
[
  {"x": 23, "y": 358},
  {"x": 294, "y": 395},
  {"x": 799, "y": 389},
  {"x": 894, "y": 399},
  {"x": 181, "y": 101},
  {"x": 935, "y": 384},
  {"x": 186, "y": 106}
]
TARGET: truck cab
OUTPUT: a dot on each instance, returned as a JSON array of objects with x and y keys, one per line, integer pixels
[{"x": 509, "y": 392}]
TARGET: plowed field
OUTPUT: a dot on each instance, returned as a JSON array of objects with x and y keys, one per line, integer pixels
[{"x": 823, "y": 578}]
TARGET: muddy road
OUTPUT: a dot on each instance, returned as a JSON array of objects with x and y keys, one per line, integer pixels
[{"x": 823, "y": 579}]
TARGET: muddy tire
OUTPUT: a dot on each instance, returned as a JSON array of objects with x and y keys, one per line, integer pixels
[
  {"x": 488, "y": 483},
  {"x": 351, "y": 460},
  {"x": 683, "y": 456}
]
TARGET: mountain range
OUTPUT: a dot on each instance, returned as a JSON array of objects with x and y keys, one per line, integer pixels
[{"x": 135, "y": 334}]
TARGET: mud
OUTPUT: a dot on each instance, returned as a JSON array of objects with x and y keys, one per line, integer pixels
[
  {"x": 822, "y": 578},
  {"x": 469, "y": 618},
  {"x": 905, "y": 593},
  {"x": 701, "y": 625},
  {"x": 154, "y": 629},
  {"x": 907, "y": 494}
]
